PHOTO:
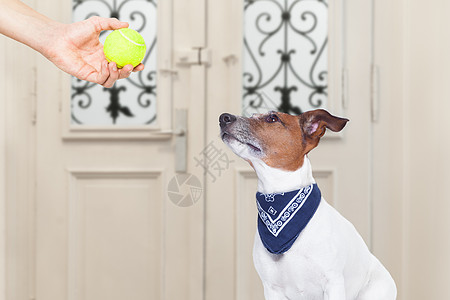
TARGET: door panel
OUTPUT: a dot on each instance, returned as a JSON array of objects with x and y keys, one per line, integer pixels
[
  {"x": 341, "y": 163},
  {"x": 105, "y": 260}
]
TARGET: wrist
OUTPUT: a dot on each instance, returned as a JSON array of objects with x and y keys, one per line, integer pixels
[{"x": 50, "y": 32}]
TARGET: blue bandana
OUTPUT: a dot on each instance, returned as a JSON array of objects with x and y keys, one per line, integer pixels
[{"x": 282, "y": 216}]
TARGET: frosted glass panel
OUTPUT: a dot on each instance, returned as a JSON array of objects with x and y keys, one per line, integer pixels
[
  {"x": 285, "y": 55},
  {"x": 131, "y": 101}
]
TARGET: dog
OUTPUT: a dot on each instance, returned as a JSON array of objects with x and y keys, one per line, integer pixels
[{"x": 304, "y": 249}]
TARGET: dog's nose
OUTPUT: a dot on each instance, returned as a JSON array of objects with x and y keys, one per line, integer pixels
[{"x": 226, "y": 119}]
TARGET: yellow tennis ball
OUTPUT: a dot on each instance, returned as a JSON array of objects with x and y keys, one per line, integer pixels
[{"x": 124, "y": 46}]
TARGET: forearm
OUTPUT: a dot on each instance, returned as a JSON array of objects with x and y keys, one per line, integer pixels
[{"x": 23, "y": 24}]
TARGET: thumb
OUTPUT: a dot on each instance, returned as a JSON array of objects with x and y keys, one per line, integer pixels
[{"x": 107, "y": 23}]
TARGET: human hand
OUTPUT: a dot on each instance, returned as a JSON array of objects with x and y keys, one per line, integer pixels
[{"x": 76, "y": 49}]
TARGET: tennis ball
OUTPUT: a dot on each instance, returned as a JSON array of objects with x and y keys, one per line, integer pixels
[{"x": 124, "y": 46}]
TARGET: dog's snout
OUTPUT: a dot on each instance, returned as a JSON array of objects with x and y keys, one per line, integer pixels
[{"x": 226, "y": 119}]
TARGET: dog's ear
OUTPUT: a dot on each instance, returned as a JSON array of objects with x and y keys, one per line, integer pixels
[{"x": 315, "y": 122}]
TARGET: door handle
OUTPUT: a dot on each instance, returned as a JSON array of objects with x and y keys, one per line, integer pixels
[
  {"x": 180, "y": 133},
  {"x": 176, "y": 132}
]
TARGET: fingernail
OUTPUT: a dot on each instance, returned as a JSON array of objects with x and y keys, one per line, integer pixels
[{"x": 114, "y": 67}]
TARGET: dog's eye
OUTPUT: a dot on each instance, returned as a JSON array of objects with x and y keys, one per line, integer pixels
[{"x": 272, "y": 118}]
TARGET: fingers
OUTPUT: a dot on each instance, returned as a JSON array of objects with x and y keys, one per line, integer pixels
[
  {"x": 109, "y": 73},
  {"x": 138, "y": 68},
  {"x": 113, "y": 75},
  {"x": 125, "y": 71},
  {"x": 101, "y": 23},
  {"x": 103, "y": 75}
]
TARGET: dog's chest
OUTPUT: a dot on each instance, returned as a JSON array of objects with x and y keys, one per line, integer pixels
[
  {"x": 301, "y": 272},
  {"x": 288, "y": 279}
]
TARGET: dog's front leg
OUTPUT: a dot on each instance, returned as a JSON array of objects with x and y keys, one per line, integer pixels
[{"x": 335, "y": 290}]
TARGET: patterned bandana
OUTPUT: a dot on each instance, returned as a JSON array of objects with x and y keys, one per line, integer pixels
[{"x": 282, "y": 216}]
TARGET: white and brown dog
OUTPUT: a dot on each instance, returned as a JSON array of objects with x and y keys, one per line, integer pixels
[{"x": 304, "y": 248}]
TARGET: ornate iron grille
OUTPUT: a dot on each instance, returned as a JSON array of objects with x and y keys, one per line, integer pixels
[
  {"x": 131, "y": 101},
  {"x": 285, "y": 55}
]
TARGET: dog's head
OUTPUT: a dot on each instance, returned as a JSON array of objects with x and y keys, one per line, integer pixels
[{"x": 280, "y": 140}]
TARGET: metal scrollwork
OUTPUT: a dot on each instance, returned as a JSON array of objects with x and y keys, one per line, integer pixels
[
  {"x": 133, "y": 98},
  {"x": 285, "y": 44}
]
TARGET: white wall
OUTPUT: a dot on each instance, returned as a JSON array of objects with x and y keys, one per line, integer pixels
[
  {"x": 427, "y": 78},
  {"x": 412, "y": 143}
]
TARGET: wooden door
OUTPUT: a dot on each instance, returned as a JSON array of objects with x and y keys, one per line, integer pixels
[
  {"x": 92, "y": 214},
  {"x": 109, "y": 223}
]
